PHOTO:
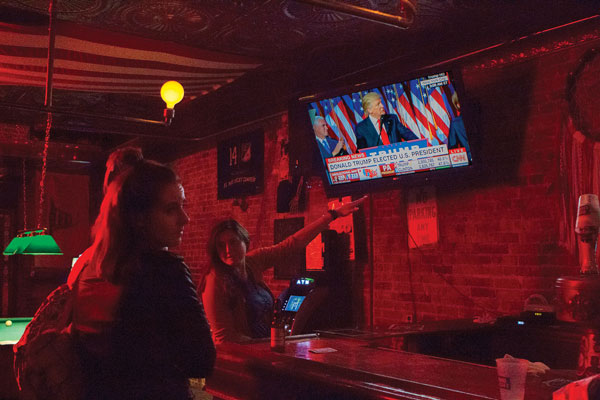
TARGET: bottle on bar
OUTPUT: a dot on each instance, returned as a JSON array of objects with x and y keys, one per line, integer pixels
[{"x": 278, "y": 329}]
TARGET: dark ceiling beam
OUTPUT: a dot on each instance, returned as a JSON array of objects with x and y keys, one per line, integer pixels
[
  {"x": 56, "y": 151},
  {"x": 368, "y": 14},
  {"x": 67, "y": 113}
]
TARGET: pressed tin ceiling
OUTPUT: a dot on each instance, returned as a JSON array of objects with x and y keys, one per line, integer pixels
[{"x": 283, "y": 44}]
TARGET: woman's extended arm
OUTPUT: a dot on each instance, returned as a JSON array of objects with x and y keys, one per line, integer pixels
[
  {"x": 308, "y": 233},
  {"x": 266, "y": 257}
]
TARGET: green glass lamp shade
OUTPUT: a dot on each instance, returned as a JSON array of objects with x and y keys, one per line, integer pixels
[
  {"x": 42, "y": 244},
  {"x": 16, "y": 246},
  {"x": 37, "y": 242}
]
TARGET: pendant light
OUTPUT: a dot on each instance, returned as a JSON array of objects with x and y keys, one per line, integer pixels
[
  {"x": 171, "y": 92},
  {"x": 39, "y": 241},
  {"x": 34, "y": 243}
]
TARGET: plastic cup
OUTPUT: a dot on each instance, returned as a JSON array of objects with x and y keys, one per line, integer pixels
[
  {"x": 588, "y": 213},
  {"x": 512, "y": 373}
]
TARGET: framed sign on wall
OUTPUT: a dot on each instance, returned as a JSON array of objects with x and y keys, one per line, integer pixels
[
  {"x": 422, "y": 217},
  {"x": 240, "y": 162}
]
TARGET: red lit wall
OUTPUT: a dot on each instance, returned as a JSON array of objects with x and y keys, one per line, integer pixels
[{"x": 499, "y": 237}]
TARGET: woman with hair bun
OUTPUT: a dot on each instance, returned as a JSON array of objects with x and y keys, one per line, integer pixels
[{"x": 141, "y": 328}]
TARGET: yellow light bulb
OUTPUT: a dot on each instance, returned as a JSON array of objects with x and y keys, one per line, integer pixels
[{"x": 171, "y": 93}]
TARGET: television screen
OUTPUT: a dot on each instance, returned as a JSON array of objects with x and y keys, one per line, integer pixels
[
  {"x": 294, "y": 303},
  {"x": 388, "y": 131}
]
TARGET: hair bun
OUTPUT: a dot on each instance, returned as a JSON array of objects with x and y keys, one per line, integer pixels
[{"x": 120, "y": 160}]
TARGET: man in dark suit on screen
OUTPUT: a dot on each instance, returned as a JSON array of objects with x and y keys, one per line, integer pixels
[
  {"x": 327, "y": 146},
  {"x": 379, "y": 128}
]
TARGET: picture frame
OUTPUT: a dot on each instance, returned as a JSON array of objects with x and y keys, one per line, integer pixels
[{"x": 240, "y": 165}]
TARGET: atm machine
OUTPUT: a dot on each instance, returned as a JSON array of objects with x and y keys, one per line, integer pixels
[
  {"x": 304, "y": 305},
  {"x": 320, "y": 299},
  {"x": 312, "y": 303}
]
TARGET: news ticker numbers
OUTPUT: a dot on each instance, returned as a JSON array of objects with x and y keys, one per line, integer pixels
[{"x": 399, "y": 160}]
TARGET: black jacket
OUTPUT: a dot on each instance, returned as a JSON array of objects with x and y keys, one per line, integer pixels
[{"x": 158, "y": 336}]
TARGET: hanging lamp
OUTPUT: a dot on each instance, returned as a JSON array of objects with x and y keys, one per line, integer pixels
[
  {"x": 171, "y": 92},
  {"x": 39, "y": 241},
  {"x": 34, "y": 243}
]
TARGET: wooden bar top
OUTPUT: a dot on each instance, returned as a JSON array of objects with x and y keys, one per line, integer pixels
[{"x": 356, "y": 371}]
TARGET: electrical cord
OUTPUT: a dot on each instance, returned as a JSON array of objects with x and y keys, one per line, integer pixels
[{"x": 411, "y": 287}]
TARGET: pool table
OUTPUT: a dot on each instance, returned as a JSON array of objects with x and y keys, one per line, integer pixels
[{"x": 9, "y": 335}]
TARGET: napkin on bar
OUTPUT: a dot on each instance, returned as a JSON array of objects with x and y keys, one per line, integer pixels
[{"x": 534, "y": 368}]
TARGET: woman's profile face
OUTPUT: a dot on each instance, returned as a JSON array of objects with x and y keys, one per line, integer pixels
[
  {"x": 166, "y": 219},
  {"x": 231, "y": 248}
]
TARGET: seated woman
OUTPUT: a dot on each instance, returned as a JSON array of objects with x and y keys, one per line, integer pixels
[
  {"x": 142, "y": 331},
  {"x": 238, "y": 302}
]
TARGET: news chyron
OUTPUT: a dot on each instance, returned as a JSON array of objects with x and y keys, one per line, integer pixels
[{"x": 427, "y": 106}]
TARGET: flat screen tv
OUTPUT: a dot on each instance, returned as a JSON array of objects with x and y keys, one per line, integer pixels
[{"x": 377, "y": 136}]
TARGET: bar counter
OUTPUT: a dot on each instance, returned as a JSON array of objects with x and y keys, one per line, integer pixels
[{"x": 356, "y": 370}]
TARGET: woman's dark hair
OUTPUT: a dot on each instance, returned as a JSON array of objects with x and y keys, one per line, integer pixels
[
  {"x": 117, "y": 235},
  {"x": 231, "y": 278},
  {"x": 118, "y": 161},
  {"x": 226, "y": 225}
]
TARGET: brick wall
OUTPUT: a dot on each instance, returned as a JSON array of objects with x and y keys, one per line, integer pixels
[
  {"x": 199, "y": 175},
  {"x": 498, "y": 235}
]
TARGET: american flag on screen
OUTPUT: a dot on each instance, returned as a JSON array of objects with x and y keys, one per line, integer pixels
[
  {"x": 440, "y": 114},
  {"x": 337, "y": 118},
  {"x": 399, "y": 105},
  {"x": 423, "y": 116},
  {"x": 349, "y": 104},
  {"x": 359, "y": 112}
]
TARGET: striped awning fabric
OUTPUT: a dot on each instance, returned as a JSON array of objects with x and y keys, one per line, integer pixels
[{"x": 93, "y": 60}]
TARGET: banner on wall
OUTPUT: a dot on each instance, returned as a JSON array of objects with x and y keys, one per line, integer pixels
[
  {"x": 422, "y": 217},
  {"x": 240, "y": 163}
]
